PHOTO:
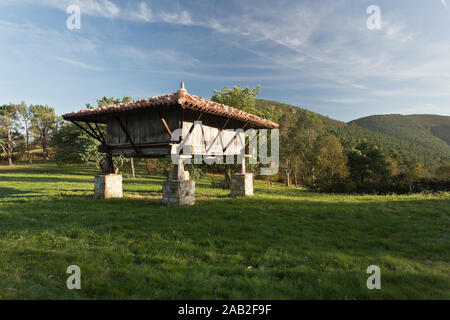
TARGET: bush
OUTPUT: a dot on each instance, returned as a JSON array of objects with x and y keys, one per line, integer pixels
[
  {"x": 195, "y": 171},
  {"x": 74, "y": 146},
  {"x": 395, "y": 185}
]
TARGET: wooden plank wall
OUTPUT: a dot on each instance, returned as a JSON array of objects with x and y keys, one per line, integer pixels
[
  {"x": 211, "y": 125},
  {"x": 143, "y": 127},
  {"x": 146, "y": 127}
]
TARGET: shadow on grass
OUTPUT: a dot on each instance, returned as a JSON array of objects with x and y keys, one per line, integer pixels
[
  {"x": 381, "y": 226},
  {"x": 284, "y": 240},
  {"x": 142, "y": 193},
  {"x": 13, "y": 192},
  {"x": 291, "y": 238},
  {"x": 50, "y": 169},
  {"x": 45, "y": 179}
]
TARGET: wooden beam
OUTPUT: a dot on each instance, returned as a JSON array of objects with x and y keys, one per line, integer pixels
[
  {"x": 166, "y": 126},
  {"x": 95, "y": 133},
  {"x": 193, "y": 124},
  {"x": 87, "y": 131},
  {"x": 100, "y": 132},
  {"x": 181, "y": 124},
  {"x": 219, "y": 133},
  {"x": 165, "y": 123},
  {"x": 248, "y": 141},
  {"x": 141, "y": 145},
  {"x": 144, "y": 152},
  {"x": 128, "y": 136},
  {"x": 236, "y": 134},
  {"x": 224, "y": 125},
  {"x": 190, "y": 131}
]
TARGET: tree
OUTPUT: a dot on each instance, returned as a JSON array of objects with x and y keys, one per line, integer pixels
[
  {"x": 243, "y": 99},
  {"x": 298, "y": 148},
  {"x": 43, "y": 123},
  {"x": 331, "y": 163},
  {"x": 8, "y": 125},
  {"x": 412, "y": 170},
  {"x": 75, "y": 146},
  {"x": 368, "y": 164},
  {"x": 25, "y": 115},
  {"x": 105, "y": 101},
  {"x": 238, "y": 97},
  {"x": 443, "y": 172}
]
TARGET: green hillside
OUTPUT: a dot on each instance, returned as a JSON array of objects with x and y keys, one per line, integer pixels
[
  {"x": 291, "y": 114},
  {"x": 439, "y": 126},
  {"x": 430, "y": 131},
  {"x": 420, "y": 137}
]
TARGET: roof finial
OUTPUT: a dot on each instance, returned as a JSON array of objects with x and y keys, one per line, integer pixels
[{"x": 182, "y": 88}]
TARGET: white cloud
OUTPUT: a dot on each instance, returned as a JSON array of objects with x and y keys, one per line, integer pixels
[
  {"x": 424, "y": 108},
  {"x": 397, "y": 32},
  {"x": 290, "y": 27},
  {"x": 359, "y": 86},
  {"x": 78, "y": 63},
  {"x": 134, "y": 11},
  {"x": 294, "y": 45},
  {"x": 444, "y": 2},
  {"x": 100, "y": 8},
  {"x": 29, "y": 36},
  {"x": 177, "y": 18},
  {"x": 345, "y": 100},
  {"x": 104, "y": 8},
  {"x": 27, "y": 46},
  {"x": 142, "y": 12},
  {"x": 146, "y": 58}
]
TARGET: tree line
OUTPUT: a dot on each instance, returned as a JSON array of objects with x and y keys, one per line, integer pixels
[
  {"x": 315, "y": 151},
  {"x": 22, "y": 126},
  {"x": 327, "y": 155},
  {"x": 324, "y": 155}
]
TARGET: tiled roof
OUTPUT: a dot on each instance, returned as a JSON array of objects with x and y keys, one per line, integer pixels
[{"x": 184, "y": 99}]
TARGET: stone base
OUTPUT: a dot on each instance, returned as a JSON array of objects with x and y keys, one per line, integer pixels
[
  {"x": 179, "y": 192},
  {"x": 108, "y": 186},
  {"x": 242, "y": 184}
]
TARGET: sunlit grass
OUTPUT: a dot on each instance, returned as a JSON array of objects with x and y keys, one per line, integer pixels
[{"x": 283, "y": 243}]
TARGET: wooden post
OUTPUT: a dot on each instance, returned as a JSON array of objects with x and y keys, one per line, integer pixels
[
  {"x": 108, "y": 166},
  {"x": 243, "y": 165},
  {"x": 132, "y": 167}
]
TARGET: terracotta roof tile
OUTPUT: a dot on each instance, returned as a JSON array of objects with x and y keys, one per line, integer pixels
[{"x": 185, "y": 100}]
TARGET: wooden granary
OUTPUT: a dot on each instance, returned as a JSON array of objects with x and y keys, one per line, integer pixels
[{"x": 154, "y": 127}]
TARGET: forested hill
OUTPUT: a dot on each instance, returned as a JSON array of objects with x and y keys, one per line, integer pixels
[
  {"x": 423, "y": 138},
  {"x": 430, "y": 131}
]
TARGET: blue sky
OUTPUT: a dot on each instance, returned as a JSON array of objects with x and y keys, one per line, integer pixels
[{"x": 319, "y": 55}]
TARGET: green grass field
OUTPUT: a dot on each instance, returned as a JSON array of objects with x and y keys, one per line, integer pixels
[{"x": 283, "y": 243}]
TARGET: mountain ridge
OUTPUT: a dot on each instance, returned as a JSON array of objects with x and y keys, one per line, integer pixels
[
  {"x": 432, "y": 131},
  {"x": 403, "y": 137}
]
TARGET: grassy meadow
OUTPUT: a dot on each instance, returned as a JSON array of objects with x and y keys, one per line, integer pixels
[{"x": 282, "y": 243}]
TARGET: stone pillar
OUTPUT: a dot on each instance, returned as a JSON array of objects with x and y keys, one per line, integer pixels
[
  {"x": 178, "y": 190},
  {"x": 108, "y": 186},
  {"x": 242, "y": 184}
]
